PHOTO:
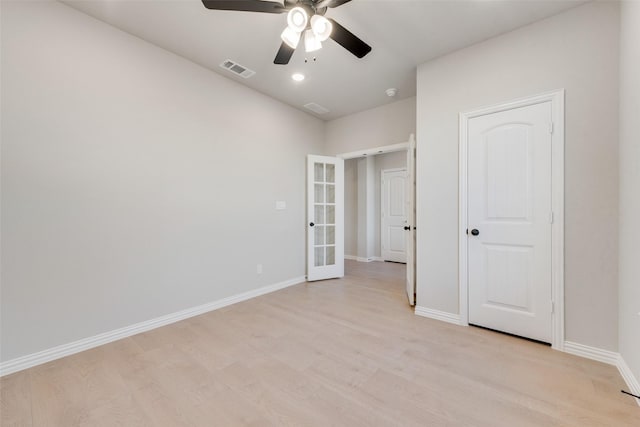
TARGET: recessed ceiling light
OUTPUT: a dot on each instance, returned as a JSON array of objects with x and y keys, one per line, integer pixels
[{"x": 298, "y": 77}]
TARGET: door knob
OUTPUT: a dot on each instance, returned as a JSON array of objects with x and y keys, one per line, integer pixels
[
  {"x": 407, "y": 227},
  {"x": 311, "y": 224},
  {"x": 475, "y": 232}
]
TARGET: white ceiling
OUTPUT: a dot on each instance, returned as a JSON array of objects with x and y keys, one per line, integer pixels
[{"x": 403, "y": 34}]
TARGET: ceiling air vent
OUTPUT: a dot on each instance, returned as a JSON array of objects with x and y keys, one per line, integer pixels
[
  {"x": 316, "y": 108},
  {"x": 238, "y": 69}
]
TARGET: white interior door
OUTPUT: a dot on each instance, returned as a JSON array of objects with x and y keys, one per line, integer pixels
[
  {"x": 393, "y": 214},
  {"x": 325, "y": 217},
  {"x": 509, "y": 221},
  {"x": 411, "y": 221}
]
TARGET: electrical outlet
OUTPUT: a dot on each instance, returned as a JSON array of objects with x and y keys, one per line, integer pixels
[
  {"x": 280, "y": 205},
  {"x": 259, "y": 269}
]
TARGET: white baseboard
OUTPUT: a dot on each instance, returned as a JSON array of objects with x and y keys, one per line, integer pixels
[
  {"x": 361, "y": 259},
  {"x": 608, "y": 357},
  {"x": 593, "y": 353},
  {"x": 438, "y": 315},
  {"x": 63, "y": 350},
  {"x": 629, "y": 378}
]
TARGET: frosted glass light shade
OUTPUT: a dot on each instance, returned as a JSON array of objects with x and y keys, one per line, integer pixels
[
  {"x": 290, "y": 37},
  {"x": 321, "y": 27},
  {"x": 297, "y": 19},
  {"x": 311, "y": 42}
]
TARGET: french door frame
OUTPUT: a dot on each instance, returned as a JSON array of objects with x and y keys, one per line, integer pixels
[{"x": 557, "y": 205}]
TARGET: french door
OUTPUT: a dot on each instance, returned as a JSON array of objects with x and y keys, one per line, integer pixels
[{"x": 325, "y": 217}]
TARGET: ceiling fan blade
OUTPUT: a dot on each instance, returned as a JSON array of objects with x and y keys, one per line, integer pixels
[
  {"x": 245, "y": 5},
  {"x": 348, "y": 40},
  {"x": 284, "y": 54},
  {"x": 330, "y": 3}
]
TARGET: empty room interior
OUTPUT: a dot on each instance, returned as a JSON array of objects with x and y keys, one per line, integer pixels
[{"x": 320, "y": 212}]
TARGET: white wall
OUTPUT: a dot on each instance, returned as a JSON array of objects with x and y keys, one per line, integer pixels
[
  {"x": 365, "y": 207},
  {"x": 629, "y": 333},
  {"x": 389, "y": 124},
  {"x": 134, "y": 183},
  {"x": 578, "y": 51},
  {"x": 351, "y": 207}
]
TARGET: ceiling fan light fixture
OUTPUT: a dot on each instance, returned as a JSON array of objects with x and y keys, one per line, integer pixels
[
  {"x": 297, "y": 19},
  {"x": 311, "y": 42},
  {"x": 290, "y": 37},
  {"x": 302, "y": 16},
  {"x": 321, "y": 27}
]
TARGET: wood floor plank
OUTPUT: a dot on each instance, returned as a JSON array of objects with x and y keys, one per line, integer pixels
[
  {"x": 15, "y": 400},
  {"x": 347, "y": 352}
]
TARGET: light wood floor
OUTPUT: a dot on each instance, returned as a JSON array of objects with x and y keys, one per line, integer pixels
[{"x": 346, "y": 352}]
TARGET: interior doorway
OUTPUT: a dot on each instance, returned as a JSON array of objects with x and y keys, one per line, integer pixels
[
  {"x": 364, "y": 188},
  {"x": 375, "y": 178}
]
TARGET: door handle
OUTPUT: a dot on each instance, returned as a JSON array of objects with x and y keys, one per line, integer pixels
[
  {"x": 475, "y": 232},
  {"x": 311, "y": 224},
  {"x": 407, "y": 227}
]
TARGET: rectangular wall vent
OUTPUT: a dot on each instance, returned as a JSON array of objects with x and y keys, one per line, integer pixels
[
  {"x": 237, "y": 69},
  {"x": 316, "y": 108}
]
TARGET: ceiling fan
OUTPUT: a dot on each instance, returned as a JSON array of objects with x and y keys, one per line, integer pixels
[{"x": 304, "y": 18}]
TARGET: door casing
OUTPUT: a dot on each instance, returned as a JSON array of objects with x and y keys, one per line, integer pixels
[{"x": 557, "y": 203}]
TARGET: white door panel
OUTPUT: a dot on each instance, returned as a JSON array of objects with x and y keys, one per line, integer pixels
[
  {"x": 394, "y": 215},
  {"x": 507, "y": 288},
  {"x": 397, "y": 241},
  {"x": 325, "y": 217},
  {"x": 509, "y": 199}
]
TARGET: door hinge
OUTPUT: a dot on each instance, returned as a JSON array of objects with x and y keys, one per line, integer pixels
[
  {"x": 550, "y": 217},
  {"x": 553, "y": 307},
  {"x": 551, "y": 127}
]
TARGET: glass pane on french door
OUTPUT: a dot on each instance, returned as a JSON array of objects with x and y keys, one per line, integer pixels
[{"x": 324, "y": 204}]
